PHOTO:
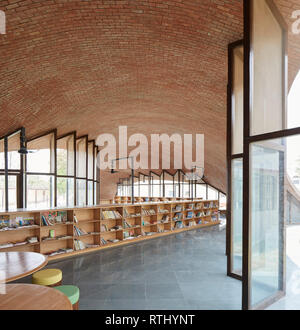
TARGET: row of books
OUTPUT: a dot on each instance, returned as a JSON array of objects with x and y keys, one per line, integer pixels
[
  {"x": 148, "y": 212},
  {"x": 107, "y": 215}
]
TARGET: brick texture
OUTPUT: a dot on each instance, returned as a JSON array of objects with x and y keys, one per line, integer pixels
[{"x": 91, "y": 65}]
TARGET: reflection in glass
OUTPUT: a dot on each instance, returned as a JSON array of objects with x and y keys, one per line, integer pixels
[
  {"x": 266, "y": 218},
  {"x": 237, "y": 215},
  {"x": 81, "y": 192},
  {"x": 201, "y": 191},
  {"x": 40, "y": 191},
  {"x": 81, "y": 158},
  {"x": 2, "y": 193},
  {"x": 65, "y": 156},
  {"x": 2, "y": 157},
  {"x": 90, "y": 192},
  {"x": 267, "y": 74},
  {"x": 13, "y": 157},
  {"x": 65, "y": 192},
  {"x": 42, "y": 159},
  {"x": 237, "y": 100}
]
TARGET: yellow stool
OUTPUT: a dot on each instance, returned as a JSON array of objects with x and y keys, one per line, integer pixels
[{"x": 47, "y": 277}]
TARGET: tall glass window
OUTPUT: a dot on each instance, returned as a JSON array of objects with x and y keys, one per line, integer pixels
[
  {"x": 40, "y": 174},
  {"x": 66, "y": 170},
  {"x": 81, "y": 170}
]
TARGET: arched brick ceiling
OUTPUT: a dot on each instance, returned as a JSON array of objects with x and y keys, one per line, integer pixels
[{"x": 156, "y": 66}]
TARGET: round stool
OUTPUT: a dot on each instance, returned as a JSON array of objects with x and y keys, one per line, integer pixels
[
  {"x": 47, "y": 277},
  {"x": 72, "y": 292}
]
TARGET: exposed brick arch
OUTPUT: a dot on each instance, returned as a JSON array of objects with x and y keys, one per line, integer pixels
[{"x": 157, "y": 66}]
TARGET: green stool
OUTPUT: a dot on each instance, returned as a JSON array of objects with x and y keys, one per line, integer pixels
[{"x": 72, "y": 292}]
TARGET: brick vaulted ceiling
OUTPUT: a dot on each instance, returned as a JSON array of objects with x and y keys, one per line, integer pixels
[{"x": 156, "y": 66}]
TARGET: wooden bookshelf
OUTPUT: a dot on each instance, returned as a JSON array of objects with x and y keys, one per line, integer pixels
[{"x": 104, "y": 226}]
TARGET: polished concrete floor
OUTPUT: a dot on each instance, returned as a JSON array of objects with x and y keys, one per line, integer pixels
[{"x": 183, "y": 271}]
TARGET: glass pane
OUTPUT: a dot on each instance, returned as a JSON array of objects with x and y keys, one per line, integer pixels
[
  {"x": 156, "y": 190},
  {"x": 96, "y": 174},
  {"x": 185, "y": 190},
  {"x": 41, "y": 160},
  {"x": 144, "y": 190},
  {"x": 40, "y": 190},
  {"x": 12, "y": 192},
  {"x": 2, "y": 158},
  {"x": 238, "y": 101},
  {"x": 95, "y": 192},
  {"x": 267, "y": 78},
  {"x": 223, "y": 202},
  {"x": 267, "y": 171},
  {"x": 81, "y": 158},
  {"x": 293, "y": 104},
  {"x": 13, "y": 157},
  {"x": 65, "y": 192},
  {"x": 237, "y": 215},
  {"x": 201, "y": 191},
  {"x": 169, "y": 190},
  {"x": 2, "y": 192},
  {"x": 212, "y": 193},
  {"x": 65, "y": 156},
  {"x": 91, "y": 160},
  {"x": 81, "y": 192},
  {"x": 90, "y": 193}
]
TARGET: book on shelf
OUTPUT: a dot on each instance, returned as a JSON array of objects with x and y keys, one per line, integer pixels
[
  {"x": 79, "y": 232},
  {"x": 60, "y": 251},
  {"x": 148, "y": 212},
  {"x": 114, "y": 228},
  {"x": 52, "y": 218},
  {"x": 179, "y": 225},
  {"x": 190, "y": 207},
  {"x": 192, "y": 223},
  {"x": 177, "y": 216},
  {"x": 104, "y": 228},
  {"x": 79, "y": 245},
  {"x": 190, "y": 215},
  {"x": 103, "y": 241},
  {"x": 162, "y": 210},
  {"x": 113, "y": 240},
  {"x": 198, "y": 206},
  {"x": 110, "y": 215},
  {"x": 127, "y": 224},
  {"x": 177, "y": 208},
  {"x": 215, "y": 216}
]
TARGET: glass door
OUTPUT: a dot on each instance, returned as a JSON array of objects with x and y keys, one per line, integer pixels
[{"x": 264, "y": 169}]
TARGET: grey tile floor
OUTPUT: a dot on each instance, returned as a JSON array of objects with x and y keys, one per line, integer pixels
[{"x": 183, "y": 271}]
